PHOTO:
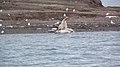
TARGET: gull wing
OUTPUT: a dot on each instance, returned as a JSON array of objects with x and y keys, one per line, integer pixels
[{"x": 63, "y": 25}]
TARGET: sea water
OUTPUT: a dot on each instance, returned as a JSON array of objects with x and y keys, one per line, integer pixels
[{"x": 81, "y": 49}]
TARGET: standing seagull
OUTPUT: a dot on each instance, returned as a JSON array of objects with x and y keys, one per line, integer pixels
[
  {"x": 0, "y": 25},
  {"x": 26, "y": 20},
  {"x": 73, "y": 10},
  {"x": 29, "y": 24},
  {"x": 112, "y": 22},
  {"x": 107, "y": 13},
  {"x": 67, "y": 9},
  {"x": 64, "y": 15},
  {"x": 2, "y": 32},
  {"x": 1, "y": 10}
]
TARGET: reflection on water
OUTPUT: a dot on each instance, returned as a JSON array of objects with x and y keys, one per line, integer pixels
[{"x": 82, "y": 49}]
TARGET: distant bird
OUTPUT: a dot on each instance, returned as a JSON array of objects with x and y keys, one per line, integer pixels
[
  {"x": 107, "y": 13},
  {"x": 0, "y": 24},
  {"x": 2, "y": 32},
  {"x": 26, "y": 20},
  {"x": 85, "y": 24},
  {"x": 52, "y": 18},
  {"x": 64, "y": 15},
  {"x": 63, "y": 28},
  {"x": 8, "y": 14},
  {"x": 112, "y": 22},
  {"x": 110, "y": 16},
  {"x": 73, "y": 10},
  {"x": 29, "y": 24},
  {"x": 57, "y": 23},
  {"x": 1, "y": 10},
  {"x": 67, "y": 9}
]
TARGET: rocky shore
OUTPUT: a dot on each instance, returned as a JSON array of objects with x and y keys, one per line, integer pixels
[{"x": 40, "y": 16}]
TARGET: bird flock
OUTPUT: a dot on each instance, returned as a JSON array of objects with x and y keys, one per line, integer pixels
[{"x": 110, "y": 17}]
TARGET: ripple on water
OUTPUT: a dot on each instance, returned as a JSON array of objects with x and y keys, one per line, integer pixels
[{"x": 82, "y": 49}]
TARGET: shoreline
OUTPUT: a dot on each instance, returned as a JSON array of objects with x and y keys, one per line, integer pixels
[
  {"x": 45, "y": 29},
  {"x": 77, "y": 24},
  {"x": 55, "y": 33}
]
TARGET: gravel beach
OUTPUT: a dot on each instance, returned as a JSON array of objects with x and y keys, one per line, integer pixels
[{"x": 40, "y": 17}]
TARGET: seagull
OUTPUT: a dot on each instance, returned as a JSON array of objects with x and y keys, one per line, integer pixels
[
  {"x": 52, "y": 18},
  {"x": 85, "y": 24},
  {"x": 107, "y": 13},
  {"x": 8, "y": 14},
  {"x": 57, "y": 23},
  {"x": 112, "y": 22},
  {"x": 73, "y": 10},
  {"x": 26, "y": 20},
  {"x": 0, "y": 24},
  {"x": 1, "y": 10},
  {"x": 29, "y": 24},
  {"x": 2, "y": 32},
  {"x": 67, "y": 9},
  {"x": 64, "y": 15}
]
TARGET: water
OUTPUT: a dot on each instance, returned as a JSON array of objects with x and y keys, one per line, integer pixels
[
  {"x": 111, "y": 3},
  {"x": 82, "y": 49}
]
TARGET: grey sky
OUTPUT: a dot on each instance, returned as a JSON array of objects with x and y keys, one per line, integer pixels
[{"x": 111, "y": 2}]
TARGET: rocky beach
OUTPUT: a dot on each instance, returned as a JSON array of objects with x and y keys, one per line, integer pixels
[{"x": 39, "y": 16}]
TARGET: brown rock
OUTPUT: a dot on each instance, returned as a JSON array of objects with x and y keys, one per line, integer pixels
[{"x": 92, "y": 3}]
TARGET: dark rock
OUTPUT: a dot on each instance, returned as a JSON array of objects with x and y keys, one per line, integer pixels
[{"x": 92, "y": 3}]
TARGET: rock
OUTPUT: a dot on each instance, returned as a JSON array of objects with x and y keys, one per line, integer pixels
[{"x": 92, "y": 3}]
